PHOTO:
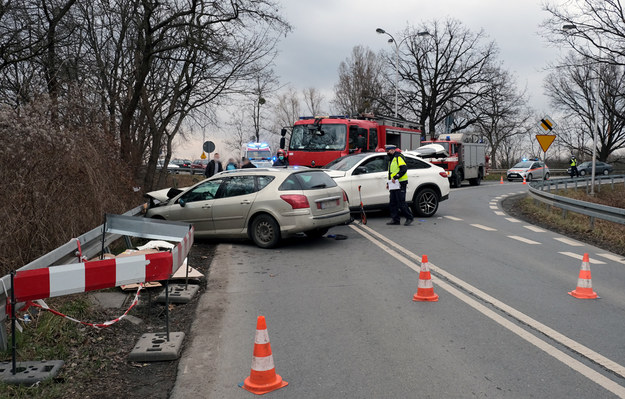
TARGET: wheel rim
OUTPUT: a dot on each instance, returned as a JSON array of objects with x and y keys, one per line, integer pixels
[
  {"x": 264, "y": 232},
  {"x": 427, "y": 203},
  {"x": 605, "y": 172}
]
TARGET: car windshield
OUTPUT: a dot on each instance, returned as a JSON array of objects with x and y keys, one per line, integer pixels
[
  {"x": 308, "y": 138},
  {"x": 258, "y": 154},
  {"x": 523, "y": 165},
  {"x": 345, "y": 163},
  {"x": 585, "y": 164}
]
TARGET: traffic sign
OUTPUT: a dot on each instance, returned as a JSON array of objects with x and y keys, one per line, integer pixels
[
  {"x": 203, "y": 156},
  {"x": 209, "y": 146},
  {"x": 545, "y": 140},
  {"x": 547, "y": 124}
]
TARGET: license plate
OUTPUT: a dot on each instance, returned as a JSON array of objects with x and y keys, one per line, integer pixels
[{"x": 327, "y": 204}]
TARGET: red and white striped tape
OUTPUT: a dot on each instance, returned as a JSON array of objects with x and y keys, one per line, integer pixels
[{"x": 95, "y": 275}]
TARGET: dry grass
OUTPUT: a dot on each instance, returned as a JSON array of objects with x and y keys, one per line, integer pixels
[{"x": 607, "y": 235}]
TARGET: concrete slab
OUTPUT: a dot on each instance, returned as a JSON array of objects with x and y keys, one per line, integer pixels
[
  {"x": 178, "y": 293},
  {"x": 154, "y": 347},
  {"x": 29, "y": 373},
  {"x": 109, "y": 300},
  {"x": 133, "y": 319}
]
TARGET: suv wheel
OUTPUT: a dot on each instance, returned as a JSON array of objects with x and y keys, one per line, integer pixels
[
  {"x": 265, "y": 231},
  {"x": 425, "y": 203}
]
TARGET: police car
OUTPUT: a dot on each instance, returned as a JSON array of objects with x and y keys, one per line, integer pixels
[{"x": 529, "y": 169}]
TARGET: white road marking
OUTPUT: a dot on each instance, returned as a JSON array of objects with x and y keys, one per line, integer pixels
[
  {"x": 504, "y": 196},
  {"x": 492, "y": 203},
  {"x": 614, "y": 258},
  {"x": 576, "y": 365},
  {"x": 493, "y": 207},
  {"x": 535, "y": 229},
  {"x": 568, "y": 242},
  {"x": 499, "y": 213},
  {"x": 513, "y": 220},
  {"x": 525, "y": 240},
  {"x": 453, "y": 218},
  {"x": 498, "y": 198},
  {"x": 580, "y": 257},
  {"x": 479, "y": 226}
]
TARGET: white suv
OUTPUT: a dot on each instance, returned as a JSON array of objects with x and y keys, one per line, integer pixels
[{"x": 427, "y": 183}]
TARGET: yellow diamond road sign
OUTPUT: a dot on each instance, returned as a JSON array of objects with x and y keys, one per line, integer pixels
[
  {"x": 545, "y": 140},
  {"x": 547, "y": 124}
]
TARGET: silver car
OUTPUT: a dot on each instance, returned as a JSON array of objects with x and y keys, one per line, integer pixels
[
  {"x": 529, "y": 170},
  {"x": 262, "y": 204}
]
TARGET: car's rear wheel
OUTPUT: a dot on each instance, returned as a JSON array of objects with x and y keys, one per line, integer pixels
[
  {"x": 265, "y": 231},
  {"x": 547, "y": 176},
  {"x": 425, "y": 202},
  {"x": 317, "y": 233},
  {"x": 582, "y": 173},
  {"x": 605, "y": 171}
]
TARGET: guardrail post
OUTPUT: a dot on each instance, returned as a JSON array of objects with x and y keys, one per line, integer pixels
[
  {"x": 612, "y": 183},
  {"x": 127, "y": 242},
  {"x": 566, "y": 187},
  {"x": 564, "y": 212},
  {"x": 592, "y": 223},
  {"x": 575, "y": 184}
]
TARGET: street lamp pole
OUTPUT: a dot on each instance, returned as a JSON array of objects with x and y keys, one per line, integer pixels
[
  {"x": 595, "y": 131},
  {"x": 392, "y": 40}
]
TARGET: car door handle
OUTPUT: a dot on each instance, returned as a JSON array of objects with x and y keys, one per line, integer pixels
[
  {"x": 245, "y": 202},
  {"x": 206, "y": 206}
]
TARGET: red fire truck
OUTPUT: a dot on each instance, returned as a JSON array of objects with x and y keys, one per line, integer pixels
[{"x": 317, "y": 141}]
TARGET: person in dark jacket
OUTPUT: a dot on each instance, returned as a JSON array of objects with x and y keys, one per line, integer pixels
[
  {"x": 247, "y": 164},
  {"x": 213, "y": 167},
  {"x": 397, "y": 183},
  {"x": 282, "y": 160}
]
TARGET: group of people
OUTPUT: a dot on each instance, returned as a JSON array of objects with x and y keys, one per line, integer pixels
[{"x": 215, "y": 166}]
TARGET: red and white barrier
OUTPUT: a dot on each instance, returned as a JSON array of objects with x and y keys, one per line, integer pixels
[{"x": 95, "y": 275}]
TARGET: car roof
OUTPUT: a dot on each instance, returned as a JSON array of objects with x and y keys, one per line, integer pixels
[{"x": 276, "y": 171}]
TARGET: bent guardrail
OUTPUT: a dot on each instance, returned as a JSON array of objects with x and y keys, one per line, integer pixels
[{"x": 541, "y": 191}]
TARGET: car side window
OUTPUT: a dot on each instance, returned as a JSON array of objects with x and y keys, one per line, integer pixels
[
  {"x": 263, "y": 181},
  {"x": 290, "y": 183},
  {"x": 238, "y": 185},
  {"x": 375, "y": 165},
  {"x": 413, "y": 163},
  {"x": 202, "y": 192}
]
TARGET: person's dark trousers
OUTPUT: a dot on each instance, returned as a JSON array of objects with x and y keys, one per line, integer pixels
[
  {"x": 574, "y": 172},
  {"x": 398, "y": 206}
]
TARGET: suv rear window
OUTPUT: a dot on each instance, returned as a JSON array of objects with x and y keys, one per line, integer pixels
[{"x": 312, "y": 180}]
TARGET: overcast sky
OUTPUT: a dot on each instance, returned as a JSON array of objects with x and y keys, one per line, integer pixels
[{"x": 325, "y": 31}]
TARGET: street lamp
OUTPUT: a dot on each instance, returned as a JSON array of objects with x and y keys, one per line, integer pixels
[
  {"x": 392, "y": 40},
  {"x": 596, "y": 118}
]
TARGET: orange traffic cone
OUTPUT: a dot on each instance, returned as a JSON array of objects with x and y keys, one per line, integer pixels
[
  {"x": 584, "y": 282},
  {"x": 425, "y": 289},
  {"x": 524, "y": 181},
  {"x": 501, "y": 180},
  {"x": 263, "y": 377}
]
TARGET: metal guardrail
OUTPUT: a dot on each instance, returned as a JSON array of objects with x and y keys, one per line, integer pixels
[
  {"x": 91, "y": 245},
  {"x": 541, "y": 191}
]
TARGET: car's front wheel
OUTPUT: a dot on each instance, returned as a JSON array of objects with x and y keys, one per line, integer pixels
[
  {"x": 582, "y": 173},
  {"x": 605, "y": 171},
  {"x": 529, "y": 177},
  {"x": 547, "y": 176},
  {"x": 425, "y": 203},
  {"x": 317, "y": 233},
  {"x": 265, "y": 231}
]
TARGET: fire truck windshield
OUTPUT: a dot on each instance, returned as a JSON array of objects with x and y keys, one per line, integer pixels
[{"x": 308, "y": 138}]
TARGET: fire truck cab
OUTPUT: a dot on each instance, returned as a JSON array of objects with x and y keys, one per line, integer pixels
[{"x": 317, "y": 141}]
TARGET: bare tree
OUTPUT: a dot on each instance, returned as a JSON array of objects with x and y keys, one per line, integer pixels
[
  {"x": 287, "y": 109},
  {"x": 444, "y": 72},
  {"x": 361, "y": 83},
  {"x": 313, "y": 100},
  {"x": 572, "y": 89},
  {"x": 239, "y": 132}
]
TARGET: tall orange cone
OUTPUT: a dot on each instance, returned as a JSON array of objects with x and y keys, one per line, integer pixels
[
  {"x": 501, "y": 180},
  {"x": 425, "y": 288},
  {"x": 584, "y": 282},
  {"x": 524, "y": 181},
  {"x": 263, "y": 377}
]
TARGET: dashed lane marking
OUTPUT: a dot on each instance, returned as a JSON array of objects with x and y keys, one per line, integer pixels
[
  {"x": 569, "y": 242},
  {"x": 580, "y": 257},
  {"x": 525, "y": 240},
  {"x": 535, "y": 229},
  {"x": 499, "y": 213},
  {"x": 614, "y": 258},
  {"x": 453, "y": 218},
  {"x": 558, "y": 354},
  {"x": 493, "y": 207},
  {"x": 479, "y": 226},
  {"x": 513, "y": 220}
]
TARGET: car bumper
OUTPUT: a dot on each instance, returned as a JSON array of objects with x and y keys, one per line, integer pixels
[{"x": 294, "y": 224}]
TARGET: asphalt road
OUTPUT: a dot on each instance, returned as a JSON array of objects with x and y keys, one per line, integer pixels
[{"x": 342, "y": 322}]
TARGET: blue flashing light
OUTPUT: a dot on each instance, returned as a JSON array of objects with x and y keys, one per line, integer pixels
[
  {"x": 448, "y": 138},
  {"x": 524, "y": 159},
  {"x": 274, "y": 159}
]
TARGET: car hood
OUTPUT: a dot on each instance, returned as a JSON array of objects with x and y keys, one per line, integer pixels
[
  {"x": 335, "y": 173},
  {"x": 165, "y": 194}
]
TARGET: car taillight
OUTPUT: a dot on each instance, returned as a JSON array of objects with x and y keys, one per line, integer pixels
[
  {"x": 297, "y": 201},
  {"x": 345, "y": 199},
  {"x": 444, "y": 174}
]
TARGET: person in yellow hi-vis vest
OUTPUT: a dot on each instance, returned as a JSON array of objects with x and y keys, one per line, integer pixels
[
  {"x": 397, "y": 182},
  {"x": 574, "y": 171}
]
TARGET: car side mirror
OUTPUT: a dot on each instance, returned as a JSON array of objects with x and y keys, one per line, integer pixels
[
  {"x": 361, "y": 170},
  {"x": 182, "y": 203}
]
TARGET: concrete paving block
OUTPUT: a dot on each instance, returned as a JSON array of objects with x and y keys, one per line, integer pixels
[
  {"x": 178, "y": 293},
  {"x": 109, "y": 300},
  {"x": 133, "y": 319},
  {"x": 153, "y": 347},
  {"x": 29, "y": 373}
]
